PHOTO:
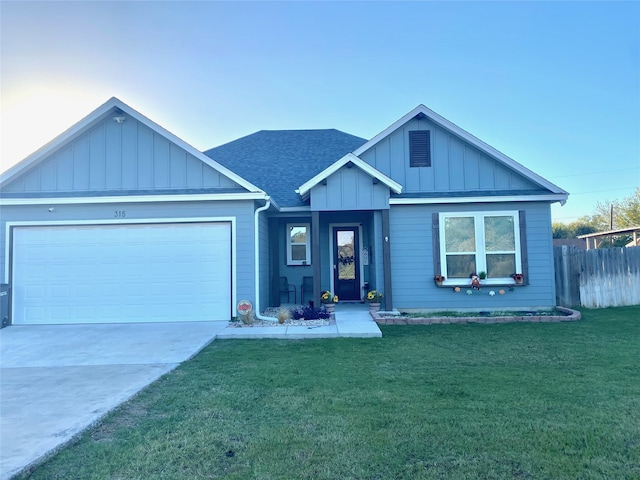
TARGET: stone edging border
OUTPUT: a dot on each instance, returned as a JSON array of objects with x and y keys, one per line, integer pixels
[{"x": 572, "y": 317}]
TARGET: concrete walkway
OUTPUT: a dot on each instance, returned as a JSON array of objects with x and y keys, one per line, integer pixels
[{"x": 352, "y": 320}]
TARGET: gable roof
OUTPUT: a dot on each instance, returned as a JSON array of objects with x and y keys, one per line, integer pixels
[
  {"x": 279, "y": 161},
  {"x": 306, "y": 187},
  {"x": 466, "y": 136},
  {"x": 111, "y": 107}
]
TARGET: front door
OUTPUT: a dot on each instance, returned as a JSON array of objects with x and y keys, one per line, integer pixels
[{"x": 346, "y": 264}]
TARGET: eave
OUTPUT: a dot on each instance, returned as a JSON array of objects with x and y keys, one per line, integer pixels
[
  {"x": 562, "y": 198},
  {"x": 201, "y": 197}
]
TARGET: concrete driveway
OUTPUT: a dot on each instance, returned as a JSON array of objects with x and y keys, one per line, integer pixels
[{"x": 55, "y": 381}]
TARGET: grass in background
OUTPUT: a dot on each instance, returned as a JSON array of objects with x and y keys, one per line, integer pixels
[{"x": 557, "y": 401}]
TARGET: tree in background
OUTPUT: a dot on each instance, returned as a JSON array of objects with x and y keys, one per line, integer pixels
[
  {"x": 626, "y": 214},
  {"x": 573, "y": 229}
]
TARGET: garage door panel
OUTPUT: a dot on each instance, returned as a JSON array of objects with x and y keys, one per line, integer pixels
[{"x": 122, "y": 273}]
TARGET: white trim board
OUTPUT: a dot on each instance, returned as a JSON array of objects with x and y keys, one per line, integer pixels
[
  {"x": 198, "y": 197},
  {"x": 510, "y": 198}
]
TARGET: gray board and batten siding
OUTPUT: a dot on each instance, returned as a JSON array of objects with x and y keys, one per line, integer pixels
[
  {"x": 413, "y": 269},
  {"x": 125, "y": 157},
  {"x": 350, "y": 189},
  {"x": 455, "y": 164}
]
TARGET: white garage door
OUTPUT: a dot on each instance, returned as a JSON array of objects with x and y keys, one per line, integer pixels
[{"x": 121, "y": 273}]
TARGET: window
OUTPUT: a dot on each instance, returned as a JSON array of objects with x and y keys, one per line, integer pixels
[
  {"x": 420, "y": 148},
  {"x": 480, "y": 242},
  {"x": 298, "y": 244}
]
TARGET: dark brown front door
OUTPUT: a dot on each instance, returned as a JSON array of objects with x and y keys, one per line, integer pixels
[{"x": 346, "y": 264}]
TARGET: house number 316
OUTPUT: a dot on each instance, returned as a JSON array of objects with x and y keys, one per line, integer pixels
[{"x": 119, "y": 213}]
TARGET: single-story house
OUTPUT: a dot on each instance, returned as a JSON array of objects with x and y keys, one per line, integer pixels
[{"x": 119, "y": 220}]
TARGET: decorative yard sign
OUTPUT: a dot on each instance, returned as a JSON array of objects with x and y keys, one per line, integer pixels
[{"x": 244, "y": 307}]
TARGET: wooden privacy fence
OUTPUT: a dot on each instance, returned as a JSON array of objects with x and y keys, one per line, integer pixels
[{"x": 607, "y": 277}]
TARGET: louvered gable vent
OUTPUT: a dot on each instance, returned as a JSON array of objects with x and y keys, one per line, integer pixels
[{"x": 420, "y": 148}]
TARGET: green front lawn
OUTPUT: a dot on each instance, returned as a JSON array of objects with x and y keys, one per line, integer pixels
[{"x": 523, "y": 401}]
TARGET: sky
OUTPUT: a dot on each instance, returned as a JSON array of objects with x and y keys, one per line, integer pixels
[{"x": 553, "y": 85}]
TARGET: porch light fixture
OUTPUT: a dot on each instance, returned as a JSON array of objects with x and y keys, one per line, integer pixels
[{"x": 119, "y": 119}]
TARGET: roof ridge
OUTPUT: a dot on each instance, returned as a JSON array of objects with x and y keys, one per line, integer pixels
[{"x": 209, "y": 150}]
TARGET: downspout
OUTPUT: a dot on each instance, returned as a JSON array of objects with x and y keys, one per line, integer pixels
[{"x": 256, "y": 256}]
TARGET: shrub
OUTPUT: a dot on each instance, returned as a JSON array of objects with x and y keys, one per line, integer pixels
[
  {"x": 310, "y": 313},
  {"x": 283, "y": 315}
]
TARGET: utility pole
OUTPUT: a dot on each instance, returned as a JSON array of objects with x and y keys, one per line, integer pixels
[
  {"x": 611, "y": 225},
  {"x": 611, "y": 217}
]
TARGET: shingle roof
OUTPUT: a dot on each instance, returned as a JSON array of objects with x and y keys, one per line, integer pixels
[{"x": 279, "y": 161}]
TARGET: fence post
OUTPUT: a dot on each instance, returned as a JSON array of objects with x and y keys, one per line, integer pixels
[{"x": 567, "y": 273}]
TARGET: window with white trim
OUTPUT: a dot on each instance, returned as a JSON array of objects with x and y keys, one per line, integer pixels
[
  {"x": 480, "y": 242},
  {"x": 298, "y": 244}
]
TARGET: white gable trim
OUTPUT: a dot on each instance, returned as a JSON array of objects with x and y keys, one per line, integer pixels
[
  {"x": 198, "y": 197},
  {"x": 306, "y": 187},
  {"x": 562, "y": 198},
  {"x": 466, "y": 136},
  {"x": 100, "y": 114}
]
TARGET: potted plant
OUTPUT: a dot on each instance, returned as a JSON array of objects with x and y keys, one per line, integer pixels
[
  {"x": 518, "y": 277},
  {"x": 482, "y": 275},
  {"x": 439, "y": 279},
  {"x": 373, "y": 299},
  {"x": 329, "y": 301}
]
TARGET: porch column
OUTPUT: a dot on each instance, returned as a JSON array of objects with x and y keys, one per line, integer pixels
[
  {"x": 386, "y": 260},
  {"x": 315, "y": 256}
]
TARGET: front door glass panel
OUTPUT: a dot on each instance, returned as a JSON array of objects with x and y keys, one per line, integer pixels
[{"x": 346, "y": 264}]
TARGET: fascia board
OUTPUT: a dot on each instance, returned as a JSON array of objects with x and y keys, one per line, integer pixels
[
  {"x": 274, "y": 204},
  {"x": 562, "y": 198},
  {"x": 305, "y": 208},
  {"x": 466, "y": 136},
  {"x": 199, "y": 197},
  {"x": 306, "y": 187}
]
